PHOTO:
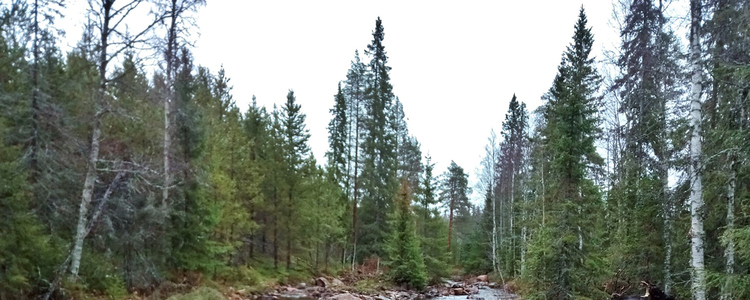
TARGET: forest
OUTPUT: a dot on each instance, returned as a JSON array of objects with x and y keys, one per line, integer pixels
[{"x": 119, "y": 176}]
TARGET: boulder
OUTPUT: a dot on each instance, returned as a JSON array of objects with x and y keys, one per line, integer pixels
[
  {"x": 345, "y": 296},
  {"x": 322, "y": 282},
  {"x": 472, "y": 290},
  {"x": 483, "y": 278},
  {"x": 337, "y": 282},
  {"x": 302, "y": 286},
  {"x": 459, "y": 292}
]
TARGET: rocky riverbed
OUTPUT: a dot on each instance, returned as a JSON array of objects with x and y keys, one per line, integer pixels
[{"x": 335, "y": 289}]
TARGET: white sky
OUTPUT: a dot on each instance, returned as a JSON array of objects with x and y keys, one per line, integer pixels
[{"x": 455, "y": 65}]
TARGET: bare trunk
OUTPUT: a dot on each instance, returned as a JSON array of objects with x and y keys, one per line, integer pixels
[
  {"x": 356, "y": 186},
  {"x": 698, "y": 274},
  {"x": 731, "y": 244},
  {"x": 35, "y": 100},
  {"x": 170, "y": 57},
  {"x": 91, "y": 175},
  {"x": 495, "y": 263},
  {"x": 512, "y": 217},
  {"x": 450, "y": 224},
  {"x": 86, "y": 195}
]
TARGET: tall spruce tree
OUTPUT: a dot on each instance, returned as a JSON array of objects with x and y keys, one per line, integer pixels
[
  {"x": 564, "y": 255},
  {"x": 726, "y": 142},
  {"x": 379, "y": 182},
  {"x": 295, "y": 152},
  {"x": 647, "y": 85},
  {"x": 510, "y": 160}
]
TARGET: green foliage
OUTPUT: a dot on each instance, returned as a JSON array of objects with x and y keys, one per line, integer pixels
[
  {"x": 564, "y": 257},
  {"x": 204, "y": 293},
  {"x": 24, "y": 248},
  {"x": 475, "y": 252},
  {"x": 101, "y": 274},
  {"x": 379, "y": 154},
  {"x": 405, "y": 260},
  {"x": 432, "y": 229}
]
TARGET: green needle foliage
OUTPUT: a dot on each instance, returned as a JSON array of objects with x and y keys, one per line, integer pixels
[{"x": 405, "y": 260}]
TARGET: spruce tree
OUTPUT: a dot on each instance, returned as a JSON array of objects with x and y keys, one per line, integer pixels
[
  {"x": 295, "y": 153},
  {"x": 404, "y": 254},
  {"x": 431, "y": 227},
  {"x": 565, "y": 254},
  {"x": 379, "y": 182},
  {"x": 647, "y": 85},
  {"x": 337, "y": 154}
]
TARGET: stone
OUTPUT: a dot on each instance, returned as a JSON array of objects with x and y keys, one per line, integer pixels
[
  {"x": 459, "y": 292},
  {"x": 483, "y": 278},
  {"x": 322, "y": 282},
  {"x": 345, "y": 296},
  {"x": 302, "y": 286},
  {"x": 337, "y": 282}
]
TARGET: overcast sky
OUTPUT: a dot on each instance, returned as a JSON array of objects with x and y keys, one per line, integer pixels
[{"x": 455, "y": 65}]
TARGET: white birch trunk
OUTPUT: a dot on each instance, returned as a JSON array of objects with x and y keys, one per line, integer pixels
[
  {"x": 668, "y": 209},
  {"x": 86, "y": 195},
  {"x": 91, "y": 175},
  {"x": 698, "y": 273}
]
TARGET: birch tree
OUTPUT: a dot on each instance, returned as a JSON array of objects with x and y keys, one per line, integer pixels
[
  {"x": 113, "y": 42},
  {"x": 697, "y": 233}
]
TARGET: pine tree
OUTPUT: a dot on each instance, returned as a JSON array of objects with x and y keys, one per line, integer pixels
[
  {"x": 355, "y": 94},
  {"x": 454, "y": 194},
  {"x": 404, "y": 256}
]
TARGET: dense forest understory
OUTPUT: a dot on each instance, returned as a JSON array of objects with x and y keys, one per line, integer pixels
[{"x": 119, "y": 175}]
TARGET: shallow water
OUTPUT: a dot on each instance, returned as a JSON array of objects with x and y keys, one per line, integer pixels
[{"x": 485, "y": 293}]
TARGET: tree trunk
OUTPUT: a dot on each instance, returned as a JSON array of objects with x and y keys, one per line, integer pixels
[
  {"x": 495, "y": 264},
  {"x": 33, "y": 144},
  {"x": 450, "y": 223},
  {"x": 668, "y": 209},
  {"x": 170, "y": 57},
  {"x": 91, "y": 175},
  {"x": 356, "y": 186},
  {"x": 731, "y": 244},
  {"x": 698, "y": 274}
]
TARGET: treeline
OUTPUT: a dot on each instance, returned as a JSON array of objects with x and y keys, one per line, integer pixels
[
  {"x": 632, "y": 169},
  {"x": 118, "y": 177}
]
